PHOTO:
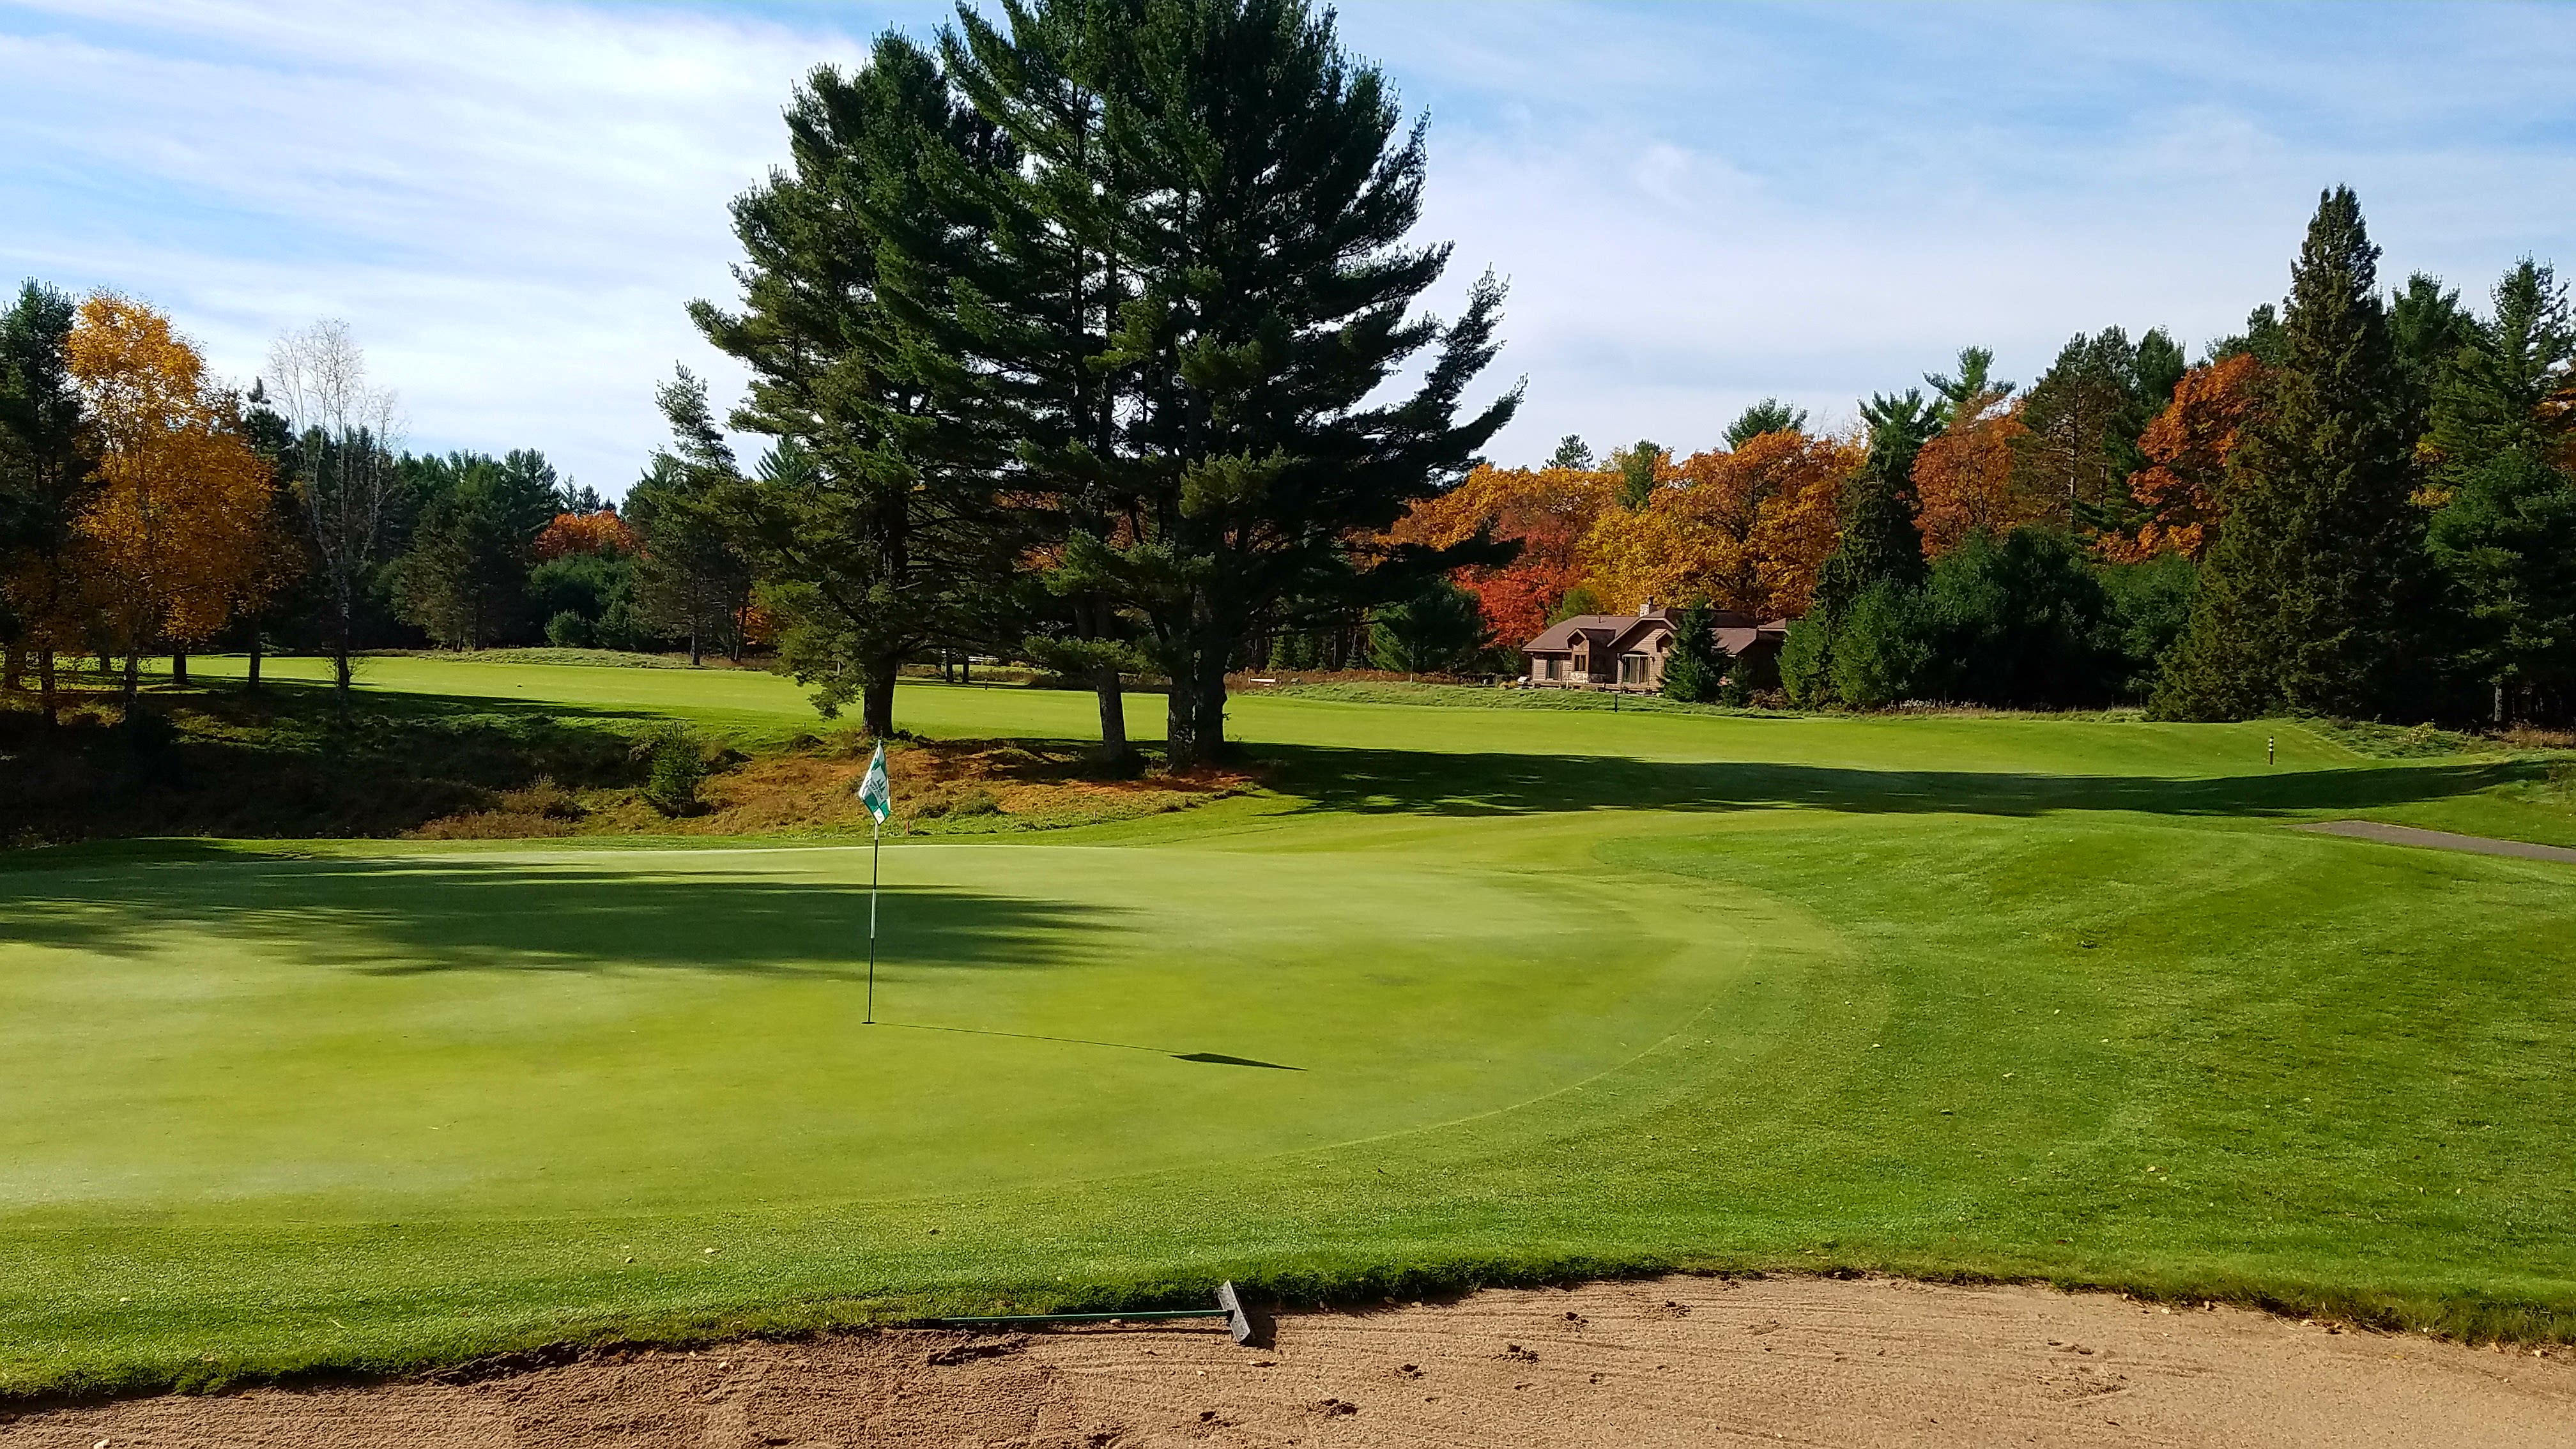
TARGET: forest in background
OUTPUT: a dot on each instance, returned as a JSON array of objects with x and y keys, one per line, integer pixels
[{"x": 1079, "y": 340}]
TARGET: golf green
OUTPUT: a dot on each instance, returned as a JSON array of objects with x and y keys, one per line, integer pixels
[
  {"x": 424, "y": 1036},
  {"x": 1471, "y": 995}
]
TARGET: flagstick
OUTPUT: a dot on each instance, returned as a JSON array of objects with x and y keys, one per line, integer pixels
[{"x": 874, "y": 833}]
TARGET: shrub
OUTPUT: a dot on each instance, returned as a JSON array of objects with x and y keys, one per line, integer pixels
[
  {"x": 568, "y": 630},
  {"x": 976, "y": 801},
  {"x": 1440, "y": 630},
  {"x": 1884, "y": 647},
  {"x": 676, "y": 766},
  {"x": 1806, "y": 664}
]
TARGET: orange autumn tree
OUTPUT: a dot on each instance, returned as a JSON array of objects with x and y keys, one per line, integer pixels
[
  {"x": 1964, "y": 477},
  {"x": 179, "y": 524},
  {"x": 1547, "y": 510},
  {"x": 2187, "y": 447},
  {"x": 599, "y": 532},
  {"x": 1743, "y": 530}
]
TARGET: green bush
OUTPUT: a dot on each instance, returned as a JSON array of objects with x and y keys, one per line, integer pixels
[
  {"x": 1806, "y": 664},
  {"x": 568, "y": 630},
  {"x": 1884, "y": 647},
  {"x": 676, "y": 765}
]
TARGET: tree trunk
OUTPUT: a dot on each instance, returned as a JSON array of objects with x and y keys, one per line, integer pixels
[
  {"x": 1196, "y": 714},
  {"x": 45, "y": 685},
  {"x": 13, "y": 665},
  {"x": 178, "y": 666},
  {"x": 1113, "y": 719},
  {"x": 965, "y": 669},
  {"x": 251, "y": 685},
  {"x": 876, "y": 698},
  {"x": 133, "y": 682},
  {"x": 340, "y": 653}
]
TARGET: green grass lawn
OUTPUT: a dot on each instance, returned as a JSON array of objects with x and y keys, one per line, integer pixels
[{"x": 1475, "y": 995}]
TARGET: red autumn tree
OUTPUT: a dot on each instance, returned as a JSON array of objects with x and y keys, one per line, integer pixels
[{"x": 1548, "y": 510}]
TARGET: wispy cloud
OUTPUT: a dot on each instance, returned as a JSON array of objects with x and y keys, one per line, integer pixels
[{"x": 1696, "y": 205}]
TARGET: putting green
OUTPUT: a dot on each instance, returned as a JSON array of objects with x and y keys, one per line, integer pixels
[{"x": 577, "y": 1032}]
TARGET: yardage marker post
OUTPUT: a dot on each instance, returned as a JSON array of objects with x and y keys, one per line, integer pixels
[{"x": 876, "y": 794}]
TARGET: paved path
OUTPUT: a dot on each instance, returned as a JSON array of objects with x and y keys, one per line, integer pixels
[{"x": 2441, "y": 840}]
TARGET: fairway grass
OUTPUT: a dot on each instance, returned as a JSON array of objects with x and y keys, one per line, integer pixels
[{"x": 1474, "y": 996}]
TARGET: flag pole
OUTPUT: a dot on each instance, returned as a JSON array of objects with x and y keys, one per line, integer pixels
[{"x": 875, "y": 833}]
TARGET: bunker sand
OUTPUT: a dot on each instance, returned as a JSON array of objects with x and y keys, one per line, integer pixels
[{"x": 1675, "y": 1361}]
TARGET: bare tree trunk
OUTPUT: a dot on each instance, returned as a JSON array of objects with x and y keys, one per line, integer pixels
[
  {"x": 133, "y": 679},
  {"x": 178, "y": 666},
  {"x": 45, "y": 684},
  {"x": 13, "y": 665},
  {"x": 251, "y": 686}
]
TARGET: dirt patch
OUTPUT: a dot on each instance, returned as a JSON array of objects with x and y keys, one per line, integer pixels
[{"x": 1678, "y": 1361}]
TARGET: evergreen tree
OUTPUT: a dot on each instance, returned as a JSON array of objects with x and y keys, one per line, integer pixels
[
  {"x": 1767, "y": 416},
  {"x": 2084, "y": 417},
  {"x": 880, "y": 538},
  {"x": 1636, "y": 465},
  {"x": 1274, "y": 277},
  {"x": 1975, "y": 382},
  {"x": 1440, "y": 629},
  {"x": 690, "y": 580},
  {"x": 2506, "y": 536},
  {"x": 2315, "y": 596},
  {"x": 48, "y": 461},
  {"x": 1571, "y": 452},
  {"x": 1694, "y": 665},
  {"x": 1879, "y": 544},
  {"x": 2428, "y": 327}
]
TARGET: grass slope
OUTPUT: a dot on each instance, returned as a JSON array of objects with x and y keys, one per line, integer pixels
[{"x": 1566, "y": 992}]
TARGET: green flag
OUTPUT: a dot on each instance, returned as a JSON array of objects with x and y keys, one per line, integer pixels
[{"x": 874, "y": 792}]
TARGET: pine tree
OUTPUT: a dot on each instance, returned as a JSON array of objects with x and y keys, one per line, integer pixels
[
  {"x": 1694, "y": 667},
  {"x": 883, "y": 542},
  {"x": 1880, "y": 549},
  {"x": 1275, "y": 276},
  {"x": 2315, "y": 598},
  {"x": 1767, "y": 416},
  {"x": 2506, "y": 536},
  {"x": 48, "y": 462}
]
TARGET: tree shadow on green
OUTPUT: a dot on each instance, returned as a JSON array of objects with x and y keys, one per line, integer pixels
[
  {"x": 1412, "y": 782},
  {"x": 412, "y": 917}
]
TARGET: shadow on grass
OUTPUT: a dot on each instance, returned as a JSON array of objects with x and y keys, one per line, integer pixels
[
  {"x": 410, "y": 918},
  {"x": 1407, "y": 782}
]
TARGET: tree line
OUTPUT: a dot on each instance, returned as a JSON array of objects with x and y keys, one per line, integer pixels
[
  {"x": 2363, "y": 504},
  {"x": 148, "y": 508}
]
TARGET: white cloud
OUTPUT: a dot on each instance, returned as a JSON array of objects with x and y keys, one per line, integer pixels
[
  {"x": 1697, "y": 206},
  {"x": 510, "y": 203}
]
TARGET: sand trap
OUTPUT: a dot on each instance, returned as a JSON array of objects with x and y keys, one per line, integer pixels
[{"x": 1677, "y": 1361}]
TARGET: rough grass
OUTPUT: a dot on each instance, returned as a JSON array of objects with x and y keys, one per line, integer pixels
[{"x": 1573, "y": 994}]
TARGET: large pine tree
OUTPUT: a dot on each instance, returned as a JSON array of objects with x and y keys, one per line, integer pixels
[
  {"x": 2315, "y": 598},
  {"x": 889, "y": 537},
  {"x": 2506, "y": 536},
  {"x": 1275, "y": 198}
]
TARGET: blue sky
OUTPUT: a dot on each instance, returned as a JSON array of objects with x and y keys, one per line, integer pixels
[{"x": 1696, "y": 205}]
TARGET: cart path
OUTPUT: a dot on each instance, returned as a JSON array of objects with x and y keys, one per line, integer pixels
[
  {"x": 1673, "y": 1362},
  {"x": 2440, "y": 840}
]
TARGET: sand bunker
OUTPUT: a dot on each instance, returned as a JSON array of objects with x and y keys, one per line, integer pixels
[{"x": 1675, "y": 1361}]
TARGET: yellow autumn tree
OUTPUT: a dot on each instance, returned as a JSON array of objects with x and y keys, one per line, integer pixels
[
  {"x": 1743, "y": 530},
  {"x": 178, "y": 525}
]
